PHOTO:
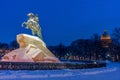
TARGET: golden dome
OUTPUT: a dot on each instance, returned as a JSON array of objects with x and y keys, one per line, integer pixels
[{"x": 105, "y": 36}]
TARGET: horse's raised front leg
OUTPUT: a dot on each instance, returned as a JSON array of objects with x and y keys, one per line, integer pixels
[{"x": 23, "y": 24}]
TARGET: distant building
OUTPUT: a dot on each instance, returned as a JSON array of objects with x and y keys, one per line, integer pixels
[
  {"x": 105, "y": 42},
  {"x": 105, "y": 39}
]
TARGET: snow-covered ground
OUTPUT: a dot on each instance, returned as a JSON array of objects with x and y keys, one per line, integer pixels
[{"x": 111, "y": 72}]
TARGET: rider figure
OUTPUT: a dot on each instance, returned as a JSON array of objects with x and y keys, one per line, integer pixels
[{"x": 33, "y": 17}]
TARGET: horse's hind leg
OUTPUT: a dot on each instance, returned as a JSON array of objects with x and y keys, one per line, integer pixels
[
  {"x": 33, "y": 33},
  {"x": 39, "y": 35}
]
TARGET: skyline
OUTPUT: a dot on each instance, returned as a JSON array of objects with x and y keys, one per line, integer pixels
[{"x": 62, "y": 21}]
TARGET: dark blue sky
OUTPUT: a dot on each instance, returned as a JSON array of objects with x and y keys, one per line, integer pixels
[{"x": 62, "y": 21}]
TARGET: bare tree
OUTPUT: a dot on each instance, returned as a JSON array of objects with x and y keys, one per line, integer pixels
[{"x": 116, "y": 35}]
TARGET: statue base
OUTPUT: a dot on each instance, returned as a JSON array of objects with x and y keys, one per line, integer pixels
[{"x": 49, "y": 66}]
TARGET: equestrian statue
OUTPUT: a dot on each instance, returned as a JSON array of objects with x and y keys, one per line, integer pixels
[{"x": 33, "y": 24}]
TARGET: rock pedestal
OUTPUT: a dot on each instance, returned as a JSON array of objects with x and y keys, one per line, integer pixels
[{"x": 31, "y": 49}]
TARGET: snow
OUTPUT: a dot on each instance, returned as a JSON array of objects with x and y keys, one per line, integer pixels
[
  {"x": 111, "y": 72},
  {"x": 34, "y": 37}
]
